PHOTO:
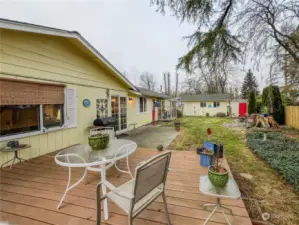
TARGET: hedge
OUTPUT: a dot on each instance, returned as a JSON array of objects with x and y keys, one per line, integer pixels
[{"x": 280, "y": 152}]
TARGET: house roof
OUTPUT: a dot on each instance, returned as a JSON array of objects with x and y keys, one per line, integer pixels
[
  {"x": 150, "y": 93},
  {"x": 33, "y": 28},
  {"x": 205, "y": 97}
]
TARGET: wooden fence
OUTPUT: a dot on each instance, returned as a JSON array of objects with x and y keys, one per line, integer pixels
[{"x": 292, "y": 116}]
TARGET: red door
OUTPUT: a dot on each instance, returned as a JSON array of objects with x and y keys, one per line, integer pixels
[
  {"x": 153, "y": 111},
  {"x": 242, "y": 109}
]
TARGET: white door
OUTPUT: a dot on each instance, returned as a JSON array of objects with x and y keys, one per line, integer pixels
[{"x": 119, "y": 112}]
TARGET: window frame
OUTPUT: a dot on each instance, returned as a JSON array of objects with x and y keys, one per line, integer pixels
[
  {"x": 42, "y": 128},
  {"x": 203, "y": 104},
  {"x": 144, "y": 103},
  {"x": 216, "y": 104}
]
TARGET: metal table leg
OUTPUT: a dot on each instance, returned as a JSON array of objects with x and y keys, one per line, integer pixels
[
  {"x": 103, "y": 179},
  {"x": 14, "y": 159},
  {"x": 217, "y": 206},
  {"x": 68, "y": 187}
]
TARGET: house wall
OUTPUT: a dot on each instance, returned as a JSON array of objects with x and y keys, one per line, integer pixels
[
  {"x": 194, "y": 109},
  {"x": 140, "y": 118},
  {"x": 51, "y": 59}
]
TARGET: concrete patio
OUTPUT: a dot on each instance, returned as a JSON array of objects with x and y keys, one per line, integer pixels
[
  {"x": 30, "y": 192},
  {"x": 150, "y": 136}
]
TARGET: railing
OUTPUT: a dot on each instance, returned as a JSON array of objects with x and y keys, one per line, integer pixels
[{"x": 292, "y": 116}]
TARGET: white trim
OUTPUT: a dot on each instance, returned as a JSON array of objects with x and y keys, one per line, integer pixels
[
  {"x": 33, "y": 133},
  {"x": 22, "y": 135},
  {"x": 33, "y": 28},
  {"x": 27, "y": 27}
]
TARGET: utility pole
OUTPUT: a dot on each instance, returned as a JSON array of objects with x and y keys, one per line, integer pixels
[
  {"x": 165, "y": 84},
  {"x": 176, "y": 84},
  {"x": 168, "y": 83}
]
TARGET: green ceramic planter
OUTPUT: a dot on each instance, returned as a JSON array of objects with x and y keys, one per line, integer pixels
[
  {"x": 218, "y": 179},
  {"x": 99, "y": 141}
]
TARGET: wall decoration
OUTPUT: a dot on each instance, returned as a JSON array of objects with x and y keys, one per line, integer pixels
[
  {"x": 86, "y": 102},
  {"x": 210, "y": 106},
  {"x": 102, "y": 108}
]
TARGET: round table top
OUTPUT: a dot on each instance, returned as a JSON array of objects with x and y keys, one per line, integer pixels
[
  {"x": 82, "y": 155},
  {"x": 14, "y": 149}
]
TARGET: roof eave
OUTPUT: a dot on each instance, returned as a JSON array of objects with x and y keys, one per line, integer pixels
[{"x": 33, "y": 28}]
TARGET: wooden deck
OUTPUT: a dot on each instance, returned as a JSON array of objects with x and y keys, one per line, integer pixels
[{"x": 30, "y": 193}]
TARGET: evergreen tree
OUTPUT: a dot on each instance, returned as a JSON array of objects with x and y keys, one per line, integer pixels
[
  {"x": 249, "y": 84},
  {"x": 271, "y": 98},
  {"x": 251, "y": 103}
]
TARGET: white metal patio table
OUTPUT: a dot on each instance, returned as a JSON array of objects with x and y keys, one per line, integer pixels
[
  {"x": 82, "y": 156},
  {"x": 230, "y": 191}
]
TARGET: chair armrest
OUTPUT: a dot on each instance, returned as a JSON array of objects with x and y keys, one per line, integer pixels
[
  {"x": 112, "y": 188},
  {"x": 139, "y": 164}
]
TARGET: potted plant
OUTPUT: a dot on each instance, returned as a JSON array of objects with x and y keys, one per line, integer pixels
[
  {"x": 177, "y": 125},
  {"x": 98, "y": 141},
  {"x": 217, "y": 174}
]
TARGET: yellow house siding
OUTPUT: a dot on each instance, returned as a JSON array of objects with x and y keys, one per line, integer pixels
[
  {"x": 49, "y": 57},
  {"x": 44, "y": 58},
  {"x": 140, "y": 118}
]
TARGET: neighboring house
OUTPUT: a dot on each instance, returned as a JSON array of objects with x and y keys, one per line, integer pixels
[
  {"x": 211, "y": 104},
  {"x": 157, "y": 103},
  {"x": 53, "y": 85}
]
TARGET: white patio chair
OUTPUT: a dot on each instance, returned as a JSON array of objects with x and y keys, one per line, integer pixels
[{"x": 135, "y": 195}]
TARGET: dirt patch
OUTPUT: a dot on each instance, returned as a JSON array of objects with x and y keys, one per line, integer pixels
[{"x": 181, "y": 143}]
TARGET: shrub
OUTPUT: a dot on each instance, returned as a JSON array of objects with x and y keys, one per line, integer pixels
[
  {"x": 221, "y": 114},
  {"x": 280, "y": 152},
  {"x": 207, "y": 114},
  {"x": 272, "y": 100},
  {"x": 179, "y": 113},
  {"x": 252, "y": 103}
]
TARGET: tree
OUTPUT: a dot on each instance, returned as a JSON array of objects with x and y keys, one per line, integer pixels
[
  {"x": 251, "y": 103},
  {"x": 249, "y": 84},
  {"x": 271, "y": 98},
  {"x": 147, "y": 80},
  {"x": 228, "y": 29},
  {"x": 192, "y": 84}
]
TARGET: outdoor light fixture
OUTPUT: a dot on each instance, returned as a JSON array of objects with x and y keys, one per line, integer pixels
[{"x": 130, "y": 100}]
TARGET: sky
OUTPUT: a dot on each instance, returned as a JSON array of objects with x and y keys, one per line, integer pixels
[{"x": 129, "y": 33}]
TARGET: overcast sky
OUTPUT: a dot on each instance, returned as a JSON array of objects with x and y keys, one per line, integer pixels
[{"x": 129, "y": 33}]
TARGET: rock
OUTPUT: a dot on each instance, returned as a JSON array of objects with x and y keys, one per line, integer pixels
[
  {"x": 160, "y": 147},
  {"x": 246, "y": 175}
]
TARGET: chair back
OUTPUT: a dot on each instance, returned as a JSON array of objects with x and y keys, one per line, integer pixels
[{"x": 151, "y": 174}]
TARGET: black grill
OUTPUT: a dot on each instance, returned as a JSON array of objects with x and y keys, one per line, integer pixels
[{"x": 105, "y": 122}]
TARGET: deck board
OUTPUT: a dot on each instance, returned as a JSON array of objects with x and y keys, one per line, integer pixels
[{"x": 30, "y": 192}]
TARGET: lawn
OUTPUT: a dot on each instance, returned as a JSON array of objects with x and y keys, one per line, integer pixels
[{"x": 266, "y": 191}]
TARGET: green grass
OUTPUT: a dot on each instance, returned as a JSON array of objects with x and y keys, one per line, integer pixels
[{"x": 271, "y": 191}]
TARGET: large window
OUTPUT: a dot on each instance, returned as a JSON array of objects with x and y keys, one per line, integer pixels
[
  {"x": 15, "y": 119},
  {"x": 142, "y": 104},
  {"x": 29, "y": 107},
  {"x": 18, "y": 119}
]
